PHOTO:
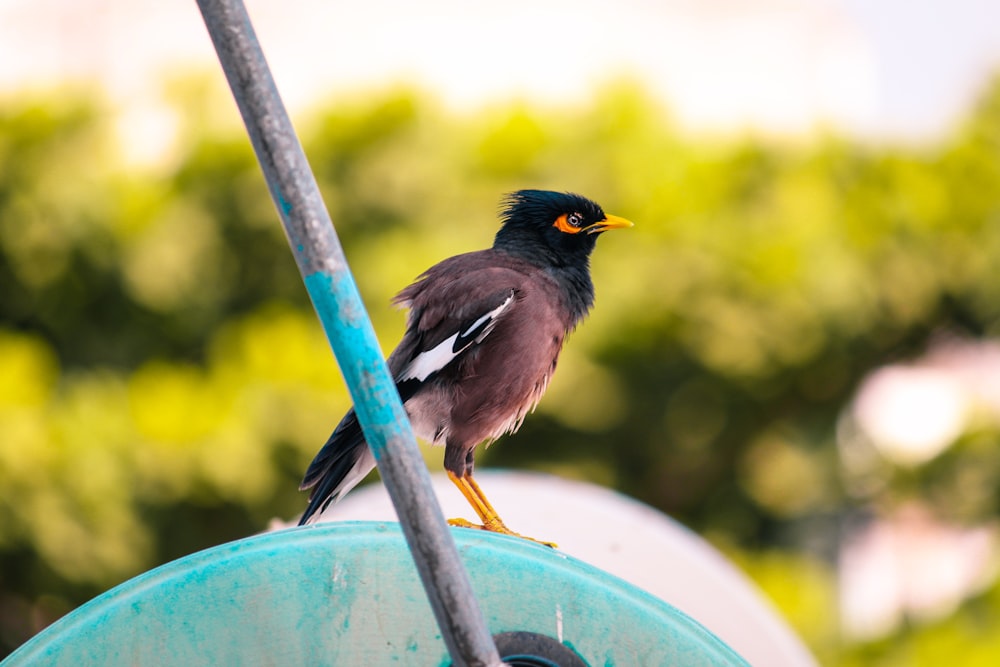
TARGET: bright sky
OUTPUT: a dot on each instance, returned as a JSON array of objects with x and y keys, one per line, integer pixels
[{"x": 897, "y": 68}]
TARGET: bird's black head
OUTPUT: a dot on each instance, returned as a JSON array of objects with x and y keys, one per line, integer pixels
[{"x": 552, "y": 228}]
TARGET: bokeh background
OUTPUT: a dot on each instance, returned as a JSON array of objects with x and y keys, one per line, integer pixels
[{"x": 795, "y": 352}]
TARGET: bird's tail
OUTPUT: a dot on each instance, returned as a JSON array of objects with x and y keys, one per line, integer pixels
[{"x": 338, "y": 467}]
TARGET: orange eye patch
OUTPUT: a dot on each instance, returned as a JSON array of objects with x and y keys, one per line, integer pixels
[{"x": 563, "y": 223}]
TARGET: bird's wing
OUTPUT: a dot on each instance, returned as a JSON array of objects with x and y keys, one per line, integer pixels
[
  {"x": 449, "y": 315},
  {"x": 429, "y": 360}
]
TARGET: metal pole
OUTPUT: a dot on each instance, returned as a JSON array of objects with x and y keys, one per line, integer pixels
[{"x": 335, "y": 297}]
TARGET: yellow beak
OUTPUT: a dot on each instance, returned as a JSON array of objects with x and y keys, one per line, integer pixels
[{"x": 609, "y": 222}]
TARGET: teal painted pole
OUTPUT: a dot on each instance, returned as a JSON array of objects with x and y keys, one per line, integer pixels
[{"x": 335, "y": 297}]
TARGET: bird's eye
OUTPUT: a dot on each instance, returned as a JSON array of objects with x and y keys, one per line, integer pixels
[{"x": 569, "y": 223}]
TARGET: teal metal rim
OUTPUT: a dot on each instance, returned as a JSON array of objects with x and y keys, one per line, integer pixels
[{"x": 484, "y": 554}]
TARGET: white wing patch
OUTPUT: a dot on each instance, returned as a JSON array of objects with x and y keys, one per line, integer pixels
[{"x": 431, "y": 361}]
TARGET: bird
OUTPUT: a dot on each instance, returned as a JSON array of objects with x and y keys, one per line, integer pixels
[{"x": 483, "y": 335}]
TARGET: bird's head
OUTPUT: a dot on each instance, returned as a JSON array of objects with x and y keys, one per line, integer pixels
[{"x": 556, "y": 227}]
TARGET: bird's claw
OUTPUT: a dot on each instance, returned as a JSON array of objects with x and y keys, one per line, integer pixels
[{"x": 497, "y": 526}]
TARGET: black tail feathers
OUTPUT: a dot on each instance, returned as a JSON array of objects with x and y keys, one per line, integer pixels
[{"x": 331, "y": 471}]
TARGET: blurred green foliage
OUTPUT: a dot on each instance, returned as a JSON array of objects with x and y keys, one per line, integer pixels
[{"x": 163, "y": 381}]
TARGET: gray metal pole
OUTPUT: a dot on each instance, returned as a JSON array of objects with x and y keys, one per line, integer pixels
[{"x": 328, "y": 280}]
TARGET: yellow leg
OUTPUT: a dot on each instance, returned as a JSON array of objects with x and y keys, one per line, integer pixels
[{"x": 491, "y": 520}]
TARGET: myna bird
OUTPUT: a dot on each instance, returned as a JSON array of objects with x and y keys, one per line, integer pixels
[{"x": 482, "y": 339}]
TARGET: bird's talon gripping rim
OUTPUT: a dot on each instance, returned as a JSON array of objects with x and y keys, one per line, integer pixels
[
  {"x": 500, "y": 529},
  {"x": 477, "y": 499},
  {"x": 497, "y": 526}
]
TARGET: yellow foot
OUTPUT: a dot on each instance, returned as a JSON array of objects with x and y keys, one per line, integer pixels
[{"x": 497, "y": 527}]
